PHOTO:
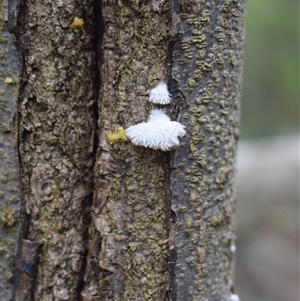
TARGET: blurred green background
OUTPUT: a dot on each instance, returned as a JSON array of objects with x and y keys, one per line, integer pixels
[
  {"x": 267, "y": 259},
  {"x": 270, "y": 101}
]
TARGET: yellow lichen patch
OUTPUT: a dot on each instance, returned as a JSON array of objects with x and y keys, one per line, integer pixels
[
  {"x": 9, "y": 80},
  {"x": 8, "y": 218},
  {"x": 118, "y": 136},
  {"x": 77, "y": 25}
]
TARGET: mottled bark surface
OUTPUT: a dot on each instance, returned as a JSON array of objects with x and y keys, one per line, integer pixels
[
  {"x": 128, "y": 252},
  {"x": 9, "y": 181},
  {"x": 161, "y": 222},
  {"x": 206, "y": 83},
  {"x": 55, "y": 144}
]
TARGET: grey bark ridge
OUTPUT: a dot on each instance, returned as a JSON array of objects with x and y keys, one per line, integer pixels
[
  {"x": 14, "y": 7},
  {"x": 9, "y": 176},
  {"x": 206, "y": 65}
]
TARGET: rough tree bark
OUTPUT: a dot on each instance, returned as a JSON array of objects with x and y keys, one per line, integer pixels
[
  {"x": 9, "y": 178},
  {"x": 206, "y": 85},
  {"x": 113, "y": 221},
  {"x": 127, "y": 258},
  {"x": 56, "y": 129}
]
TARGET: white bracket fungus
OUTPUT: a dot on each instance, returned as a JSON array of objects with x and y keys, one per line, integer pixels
[
  {"x": 234, "y": 297},
  {"x": 232, "y": 248},
  {"x": 159, "y": 132},
  {"x": 160, "y": 94}
]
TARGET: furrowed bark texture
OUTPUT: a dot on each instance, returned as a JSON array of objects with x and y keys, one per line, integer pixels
[
  {"x": 206, "y": 82},
  {"x": 128, "y": 252},
  {"x": 55, "y": 144},
  {"x": 9, "y": 182},
  {"x": 134, "y": 251}
]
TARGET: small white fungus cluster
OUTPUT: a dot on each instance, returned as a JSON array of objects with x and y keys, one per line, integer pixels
[
  {"x": 232, "y": 248},
  {"x": 160, "y": 94},
  {"x": 234, "y": 297},
  {"x": 159, "y": 132}
]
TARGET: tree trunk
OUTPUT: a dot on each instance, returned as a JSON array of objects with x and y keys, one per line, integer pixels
[
  {"x": 56, "y": 129},
  {"x": 115, "y": 221},
  {"x": 206, "y": 84}
]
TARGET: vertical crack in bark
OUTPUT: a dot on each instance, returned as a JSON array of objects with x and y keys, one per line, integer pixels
[
  {"x": 172, "y": 252},
  {"x": 127, "y": 257},
  {"x": 172, "y": 110},
  {"x": 99, "y": 31}
]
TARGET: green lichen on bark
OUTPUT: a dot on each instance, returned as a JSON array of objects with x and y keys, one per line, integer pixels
[
  {"x": 55, "y": 144},
  {"x": 127, "y": 259},
  {"x": 206, "y": 82},
  {"x": 9, "y": 181}
]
